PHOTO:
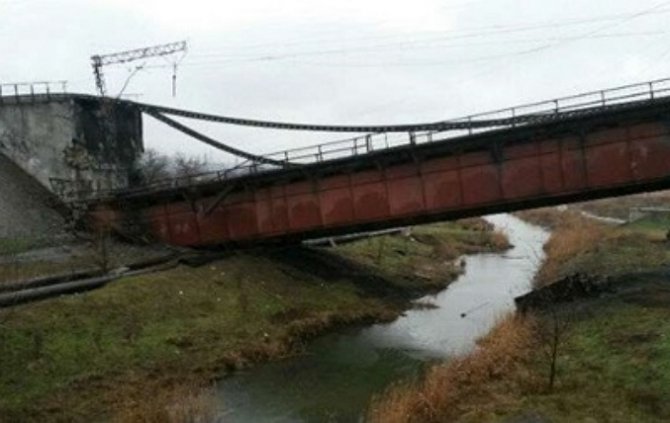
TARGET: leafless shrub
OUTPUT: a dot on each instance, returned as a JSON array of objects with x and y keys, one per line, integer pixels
[
  {"x": 153, "y": 167},
  {"x": 189, "y": 165},
  {"x": 552, "y": 331}
]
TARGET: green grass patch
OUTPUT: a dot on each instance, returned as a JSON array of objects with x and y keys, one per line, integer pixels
[
  {"x": 187, "y": 320},
  {"x": 656, "y": 225},
  {"x": 613, "y": 367},
  {"x": 429, "y": 251},
  {"x": 625, "y": 253},
  {"x": 10, "y": 246},
  {"x": 84, "y": 357}
]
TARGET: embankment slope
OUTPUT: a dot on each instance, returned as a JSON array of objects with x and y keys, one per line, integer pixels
[{"x": 26, "y": 208}]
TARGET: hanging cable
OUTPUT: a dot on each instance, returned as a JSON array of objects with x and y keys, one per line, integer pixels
[{"x": 210, "y": 141}]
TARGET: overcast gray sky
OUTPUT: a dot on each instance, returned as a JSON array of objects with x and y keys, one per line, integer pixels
[{"x": 338, "y": 61}]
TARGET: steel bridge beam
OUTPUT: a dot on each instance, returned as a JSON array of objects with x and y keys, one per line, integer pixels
[{"x": 588, "y": 157}]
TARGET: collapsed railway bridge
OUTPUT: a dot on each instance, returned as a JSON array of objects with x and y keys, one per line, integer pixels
[{"x": 595, "y": 145}]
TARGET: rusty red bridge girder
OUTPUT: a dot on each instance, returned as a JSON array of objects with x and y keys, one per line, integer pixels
[{"x": 607, "y": 152}]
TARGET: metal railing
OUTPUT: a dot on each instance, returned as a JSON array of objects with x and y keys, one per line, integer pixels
[
  {"x": 512, "y": 117},
  {"x": 32, "y": 90}
]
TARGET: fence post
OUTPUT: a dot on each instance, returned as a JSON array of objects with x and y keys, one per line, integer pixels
[{"x": 651, "y": 90}]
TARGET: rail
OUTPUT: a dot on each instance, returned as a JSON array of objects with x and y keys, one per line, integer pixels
[
  {"x": 512, "y": 117},
  {"x": 32, "y": 90}
]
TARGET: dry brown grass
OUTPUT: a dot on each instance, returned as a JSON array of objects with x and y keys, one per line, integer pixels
[
  {"x": 499, "y": 241},
  {"x": 573, "y": 235},
  {"x": 475, "y": 224},
  {"x": 468, "y": 388},
  {"x": 580, "y": 244},
  {"x": 547, "y": 217},
  {"x": 180, "y": 404}
]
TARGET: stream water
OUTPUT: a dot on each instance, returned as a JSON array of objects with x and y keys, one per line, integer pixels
[{"x": 340, "y": 373}]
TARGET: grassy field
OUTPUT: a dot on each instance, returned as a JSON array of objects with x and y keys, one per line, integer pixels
[
  {"x": 619, "y": 207},
  {"x": 50, "y": 260},
  {"x": 612, "y": 354},
  {"x": 580, "y": 244},
  {"x": 656, "y": 227},
  {"x": 612, "y": 366},
  {"x": 429, "y": 252},
  {"x": 614, "y": 361},
  {"x": 120, "y": 353}
]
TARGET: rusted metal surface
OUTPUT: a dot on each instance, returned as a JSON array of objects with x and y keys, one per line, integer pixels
[
  {"x": 614, "y": 100},
  {"x": 605, "y": 154}
]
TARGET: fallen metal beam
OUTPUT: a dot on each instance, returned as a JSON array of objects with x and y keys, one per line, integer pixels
[{"x": 214, "y": 143}]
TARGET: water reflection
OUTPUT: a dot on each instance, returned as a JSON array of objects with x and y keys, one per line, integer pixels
[{"x": 341, "y": 372}]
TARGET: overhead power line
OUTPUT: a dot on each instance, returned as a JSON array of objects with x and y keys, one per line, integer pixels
[
  {"x": 451, "y": 34},
  {"x": 373, "y": 50},
  {"x": 443, "y": 39},
  {"x": 98, "y": 61}
]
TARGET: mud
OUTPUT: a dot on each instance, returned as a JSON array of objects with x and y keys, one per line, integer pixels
[
  {"x": 650, "y": 288},
  {"x": 566, "y": 290}
]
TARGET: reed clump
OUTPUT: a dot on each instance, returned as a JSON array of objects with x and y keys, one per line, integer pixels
[
  {"x": 179, "y": 404},
  {"x": 573, "y": 235},
  {"x": 464, "y": 388}
]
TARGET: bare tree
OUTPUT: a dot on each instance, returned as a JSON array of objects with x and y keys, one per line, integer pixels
[
  {"x": 152, "y": 167},
  {"x": 155, "y": 167},
  {"x": 552, "y": 331},
  {"x": 189, "y": 165}
]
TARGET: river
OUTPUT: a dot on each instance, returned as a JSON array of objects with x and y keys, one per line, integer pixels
[{"x": 335, "y": 380}]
